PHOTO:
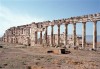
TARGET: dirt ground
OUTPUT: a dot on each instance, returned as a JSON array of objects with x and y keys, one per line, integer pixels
[{"x": 14, "y": 56}]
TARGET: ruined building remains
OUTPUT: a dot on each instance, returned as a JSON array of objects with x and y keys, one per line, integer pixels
[{"x": 27, "y": 34}]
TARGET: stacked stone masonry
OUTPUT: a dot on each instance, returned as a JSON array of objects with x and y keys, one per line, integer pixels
[{"x": 28, "y": 34}]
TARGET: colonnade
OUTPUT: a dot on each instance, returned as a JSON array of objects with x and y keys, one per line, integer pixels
[{"x": 66, "y": 34}]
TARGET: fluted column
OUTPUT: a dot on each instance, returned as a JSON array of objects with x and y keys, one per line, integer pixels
[
  {"x": 41, "y": 37},
  {"x": 46, "y": 34},
  {"x": 36, "y": 37},
  {"x": 95, "y": 35},
  {"x": 58, "y": 34},
  {"x": 74, "y": 34},
  {"x": 52, "y": 39},
  {"x": 83, "y": 34},
  {"x": 66, "y": 33}
]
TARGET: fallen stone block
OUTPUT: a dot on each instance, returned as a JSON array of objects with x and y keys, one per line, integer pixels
[
  {"x": 35, "y": 67},
  {"x": 67, "y": 52},
  {"x": 49, "y": 51},
  {"x": 56, "y": 51},
  {"x": 63, "y": 51},
  {"x": 28, "y": 67},
  {"x": 1, "y": 46}
]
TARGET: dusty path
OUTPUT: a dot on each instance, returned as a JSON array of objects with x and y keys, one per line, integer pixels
[{"x": 19, "y": 57}]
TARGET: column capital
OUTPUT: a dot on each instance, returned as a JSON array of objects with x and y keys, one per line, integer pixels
[
  {"x": 36, "y": 31},
  {"x": 46, "y": 26},
  {"x": 94, "y": 21},
  {"x": 84, "y": 22},
  {"x": 52, "y": 25},
  {"x": 66, "y": 24},
  {"x": 58, "y": 25},
  {"x": 74, "y": 23},
  {"x": 41, "y": 31}
]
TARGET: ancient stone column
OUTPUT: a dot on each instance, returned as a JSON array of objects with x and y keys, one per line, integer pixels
[
  {"x": 58, "y": 34},
  {"x": 36, "y": 37},
  {"x": 41, "y": 37},
  {"x": 46, "y": 34},
  {"x": 95, "y": 35},
  {"x": 66, "y": 33},
  {"x": 83, "y": 34},
  {"x": 74, "y": 34},
  {"x": 52, "y": 39}
]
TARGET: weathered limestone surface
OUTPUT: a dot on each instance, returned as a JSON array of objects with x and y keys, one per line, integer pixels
[
  {"x": 28, "y": 34},
  {"x": 95, "y": 35},
  {"x": 74, "y": 34},
  {"x": 83, "y": 34},
  {"x": 66, "y": 33},
  {"x": 58, "y": 34},
  {"x": 52, "y": 39}
]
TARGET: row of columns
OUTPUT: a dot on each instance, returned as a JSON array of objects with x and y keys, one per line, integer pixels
[{"x": 74, "y": 34}]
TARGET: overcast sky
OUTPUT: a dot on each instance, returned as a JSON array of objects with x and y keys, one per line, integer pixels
[{"x": 21, "y": 12}]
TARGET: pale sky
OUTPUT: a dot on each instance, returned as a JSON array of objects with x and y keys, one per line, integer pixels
[{"x": 21, "y": 12}]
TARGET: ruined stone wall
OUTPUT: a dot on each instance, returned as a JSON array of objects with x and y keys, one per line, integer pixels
[{"x": 18, "y": 35}]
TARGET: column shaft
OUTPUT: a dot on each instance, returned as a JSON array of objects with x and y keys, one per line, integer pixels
[
  {"x": 58, "y": 34},
  {"x": 35, "y": 37},
  {"x": 46, "y": 34},
  {"x": 84, "y": 35},
  {"x": 74, "y": 34},
  {"x": 66, "y": 33},
  {"x": 52, "y": 39},
  {"x": 95, "y": 35},
  {"x": 41, "y": 37}
]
